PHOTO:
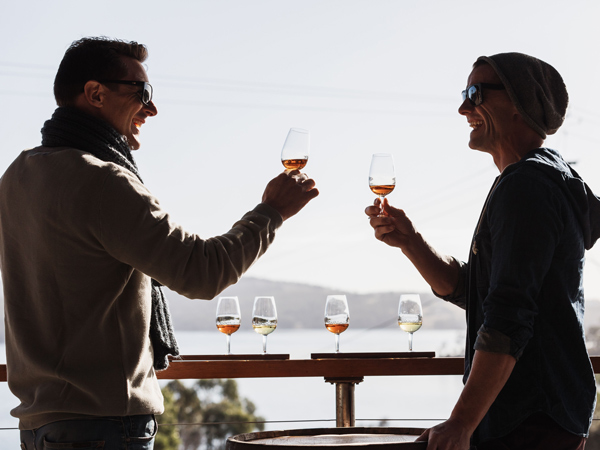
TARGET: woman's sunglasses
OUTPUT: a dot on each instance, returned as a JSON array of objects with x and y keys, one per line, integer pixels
[
  {"x": 474, "y": 92},
  {"x": 145, "y": 93}
]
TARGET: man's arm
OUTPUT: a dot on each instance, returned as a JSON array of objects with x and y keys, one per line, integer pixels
[
  {"x": 442, "y": 272},
  {"x": 135, "y": 230},
  {"x": 489, "y": 374}
]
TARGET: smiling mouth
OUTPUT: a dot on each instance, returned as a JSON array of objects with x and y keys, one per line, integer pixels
[
  {"x": 137, "y": 123},
  {"x": 475, "y": 124}
]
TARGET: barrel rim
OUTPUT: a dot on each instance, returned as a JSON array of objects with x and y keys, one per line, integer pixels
[{"x": 235, "y": 442}]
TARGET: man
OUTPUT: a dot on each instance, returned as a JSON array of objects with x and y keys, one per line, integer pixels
[
  {"x": 529, "y": 383},
  {"x": 84, "y": 248}
]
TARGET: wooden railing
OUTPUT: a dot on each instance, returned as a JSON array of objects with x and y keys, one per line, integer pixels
[
  {"x": 327, "y": 368},
  {"x": 293, "y": 368},
  {"x": 344, "y": 373}
]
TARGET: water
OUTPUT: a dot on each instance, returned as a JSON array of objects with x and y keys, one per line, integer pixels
[{"x": 305, "y": 401}]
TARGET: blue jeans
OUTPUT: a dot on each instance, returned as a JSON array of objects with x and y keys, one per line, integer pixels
[{"x": 108, "y": 433}]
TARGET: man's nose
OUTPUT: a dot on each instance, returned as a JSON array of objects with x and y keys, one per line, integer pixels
[
  {"x": 465, "y": 107},
  {"x": 150, "y": 109}
]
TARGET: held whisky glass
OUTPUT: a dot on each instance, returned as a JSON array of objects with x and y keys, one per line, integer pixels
[
  {"x": 382, "y": 178},
  {"x": 296, "y": 149}
]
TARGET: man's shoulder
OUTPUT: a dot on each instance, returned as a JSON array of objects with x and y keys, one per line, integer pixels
[
  {"x": 543, "y": 164},
  {"x": 64, "y": 169},
  {"x": 534, "y": 173},
  {"x": 533, "y": 184},
  {"x": 72, "y": 161}
]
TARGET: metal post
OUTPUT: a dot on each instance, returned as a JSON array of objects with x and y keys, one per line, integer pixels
[{"x": 344, "y": 400}]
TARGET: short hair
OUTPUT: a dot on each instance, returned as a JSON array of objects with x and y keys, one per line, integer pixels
[{"x": 93, "y": 58}]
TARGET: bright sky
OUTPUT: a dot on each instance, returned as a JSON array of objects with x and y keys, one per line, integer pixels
[{"x": 364, "y": 76}]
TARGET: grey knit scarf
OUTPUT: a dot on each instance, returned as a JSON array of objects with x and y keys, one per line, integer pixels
[{"x": 70, "y": 127}]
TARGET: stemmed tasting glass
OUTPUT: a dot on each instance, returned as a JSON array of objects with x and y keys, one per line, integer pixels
[
  {"x": 296, "y": 149},
  {"x": 410, "y": 315},
  {"x": 337, "y": 316},
  {"x": 228, "y": 317},
  {"x": 264, "y": 318},
  {"x": 382, "y": 178}
]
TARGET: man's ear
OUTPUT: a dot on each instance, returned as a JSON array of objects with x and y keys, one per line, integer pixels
[{"x": 94, "y": 93}]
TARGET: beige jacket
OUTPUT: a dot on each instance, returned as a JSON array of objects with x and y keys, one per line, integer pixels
[{"x": 79, "y": 240}]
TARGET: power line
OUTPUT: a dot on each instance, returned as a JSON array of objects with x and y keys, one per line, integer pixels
[
  {"x": 318, "y": 91},
  {"x": 221, "y": 84},
  {"x": 257, "y": 86},
  {"x": 456, "y": 207},
  {"x": 201, "y": 424},
  {"x": 269, "y": 88},
  {"x": 21, "y": 75},
  {"x": 271, "y": 106},
  {"x": 584, "y": 111},
  {"x": 451, "y": 189},
  {"x": 411, "y": 112},
  {"x": 257, "y": 422},
  {"x": 27, "y": 65},
  {"x": 27, "y": 94},
  {"x": 582, "y": 136},
  {"x": 263, "y": 422}
]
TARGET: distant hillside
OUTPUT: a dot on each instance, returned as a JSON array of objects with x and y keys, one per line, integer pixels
[{"x": 302, "y": 306}]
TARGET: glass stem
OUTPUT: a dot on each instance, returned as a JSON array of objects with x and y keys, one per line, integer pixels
[
  {"x": 228, "y": 344},
  {"x": 410, "y": 342},
  {"x": 264, "y": 344},
  {"x": 337, "y": 343}
]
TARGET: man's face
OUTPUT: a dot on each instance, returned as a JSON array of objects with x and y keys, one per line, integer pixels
[
  {"x": 493, "y": 120},
  {"x": 122, "y": 107}
]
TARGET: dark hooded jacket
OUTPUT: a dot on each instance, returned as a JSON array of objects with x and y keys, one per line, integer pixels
[{"x": 523, "y": 293}]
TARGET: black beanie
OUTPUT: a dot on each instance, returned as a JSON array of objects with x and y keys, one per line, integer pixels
[{"x": 535, "y": 87}]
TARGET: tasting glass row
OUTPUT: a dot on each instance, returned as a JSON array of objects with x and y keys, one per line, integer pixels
[{"x": 337, "y": 317}]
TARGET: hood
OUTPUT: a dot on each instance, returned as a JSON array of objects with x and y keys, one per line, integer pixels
[{"x": 585, "y": 204}]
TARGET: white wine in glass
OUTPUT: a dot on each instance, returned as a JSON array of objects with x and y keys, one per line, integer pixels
[
  {"x": 228, "y": 317},
  {"x": 296, "y": 149},
  {"x": 410, "y": 315},
  {"x": 337, "y": 316},
  {"x": 264, "y": 318},
  {"x": 382, "y": 177}
]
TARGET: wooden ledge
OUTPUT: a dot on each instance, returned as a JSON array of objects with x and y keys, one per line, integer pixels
[{"x": 330, "y": 368}]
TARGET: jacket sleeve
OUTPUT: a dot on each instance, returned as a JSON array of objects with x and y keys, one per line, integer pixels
[
  {"x": 459, "y": 296},
  {"x": 137, "y": 231},
  {"x": 525, "y": 222}
]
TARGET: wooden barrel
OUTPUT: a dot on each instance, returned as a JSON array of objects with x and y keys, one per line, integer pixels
[{"x": 350, "y": 438}]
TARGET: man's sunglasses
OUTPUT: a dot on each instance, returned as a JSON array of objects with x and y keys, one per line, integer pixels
[
  {"x": 145, "y": 93},
  {"x": 474, "y": 92}
]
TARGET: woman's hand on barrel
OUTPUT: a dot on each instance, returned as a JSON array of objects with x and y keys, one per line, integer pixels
[{"x": 448, "y": 435}]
